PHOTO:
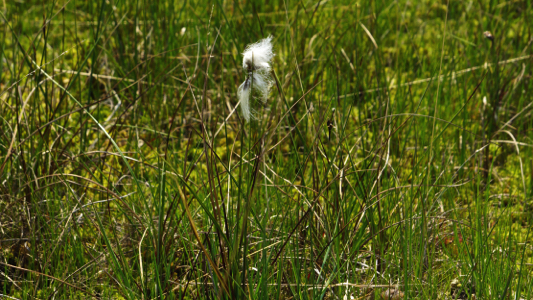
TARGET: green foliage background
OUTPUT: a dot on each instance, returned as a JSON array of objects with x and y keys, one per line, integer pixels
[{"x": 395, "y": 151}]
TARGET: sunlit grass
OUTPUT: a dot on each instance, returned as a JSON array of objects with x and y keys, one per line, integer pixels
[{"x": 393, "y": 156}]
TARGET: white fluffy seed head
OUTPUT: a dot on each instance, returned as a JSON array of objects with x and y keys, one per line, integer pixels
[
  {"x": 262, "y": 83},
  {"x": 243, "y": 93},
  {"x": 258, "y": 56},
  {"x": 256, "y": 62}
]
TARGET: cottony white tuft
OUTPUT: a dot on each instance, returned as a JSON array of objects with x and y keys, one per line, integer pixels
[
  {"x": 256, "y": 62},
  {"x": 244, "y": 97},
  {"x": 258, "y": 55}
]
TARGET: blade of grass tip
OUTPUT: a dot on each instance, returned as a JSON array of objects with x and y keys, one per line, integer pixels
[{"x": 215, "y": 268}]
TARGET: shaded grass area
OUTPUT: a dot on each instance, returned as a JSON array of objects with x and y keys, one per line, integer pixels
[{"x": 394, "y": 154}]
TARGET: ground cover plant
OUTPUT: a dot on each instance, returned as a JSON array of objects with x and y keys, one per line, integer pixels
[{"x": 393, "y": 158}]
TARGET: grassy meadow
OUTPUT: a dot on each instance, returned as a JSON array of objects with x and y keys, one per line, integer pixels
[{"x": 392, "y": 160}]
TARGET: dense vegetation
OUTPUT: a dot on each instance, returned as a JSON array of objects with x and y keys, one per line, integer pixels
[{"x": 394, "y": 155}]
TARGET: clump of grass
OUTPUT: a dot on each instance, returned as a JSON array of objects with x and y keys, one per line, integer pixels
[{"x": 125, "y": 173}]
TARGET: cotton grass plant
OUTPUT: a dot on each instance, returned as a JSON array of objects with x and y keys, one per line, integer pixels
[{"x": 256, "y": 62}]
